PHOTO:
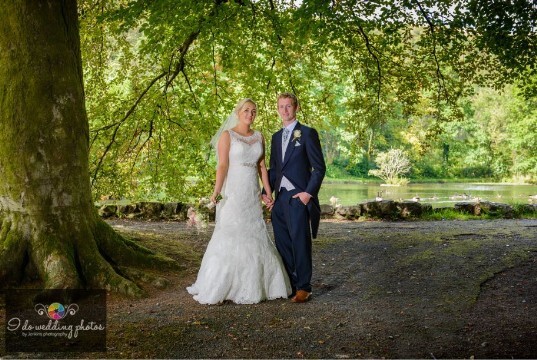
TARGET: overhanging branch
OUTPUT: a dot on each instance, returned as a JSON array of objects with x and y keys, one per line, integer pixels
[
  {"x": 119, "y": 123},
  {"x": 377, "y": 61},
  {"x": 439, "y": 76},
  {"x": 170, "y": 77}
]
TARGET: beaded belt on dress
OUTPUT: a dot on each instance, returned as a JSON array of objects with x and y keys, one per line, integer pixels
[{"x": 252, "y": 165}]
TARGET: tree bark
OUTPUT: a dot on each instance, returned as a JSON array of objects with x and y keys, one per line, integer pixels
[{"x": 47, "y": 219}]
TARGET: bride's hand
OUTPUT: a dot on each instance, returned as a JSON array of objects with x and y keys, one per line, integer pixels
[
  {"x": 268, "y": 201},
  {"x": 215, "y": 197}
]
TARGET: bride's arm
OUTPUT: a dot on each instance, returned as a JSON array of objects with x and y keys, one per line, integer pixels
[
  {"x": 223, "y": 164},
  {"x": 263, "y": 173}
]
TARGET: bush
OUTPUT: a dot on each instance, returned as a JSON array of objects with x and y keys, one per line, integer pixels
[{"x": 392, "y": 164}]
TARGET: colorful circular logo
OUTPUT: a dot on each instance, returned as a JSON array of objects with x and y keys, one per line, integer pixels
[{"x": 56, "y": 311}]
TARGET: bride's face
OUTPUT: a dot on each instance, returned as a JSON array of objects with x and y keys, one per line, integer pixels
[{"x": 247, "y": 113}]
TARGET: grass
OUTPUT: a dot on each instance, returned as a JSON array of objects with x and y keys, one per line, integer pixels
[
  {"x": 359, "y": 180},
  {"x": 453, "y": 214},
  {"x": 350, "y": 181}
]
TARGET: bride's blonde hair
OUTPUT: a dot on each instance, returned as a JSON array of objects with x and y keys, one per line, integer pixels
[{"x": 241, "y": 103}]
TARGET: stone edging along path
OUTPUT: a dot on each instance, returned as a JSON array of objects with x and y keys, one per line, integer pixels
[{"x": 385, "y": 209}]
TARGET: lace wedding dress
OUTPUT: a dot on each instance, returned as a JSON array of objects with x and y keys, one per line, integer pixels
[{"x": 241, "y": 263}]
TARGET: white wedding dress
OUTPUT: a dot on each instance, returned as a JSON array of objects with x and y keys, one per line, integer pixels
[{"x": 241, "y": 263}]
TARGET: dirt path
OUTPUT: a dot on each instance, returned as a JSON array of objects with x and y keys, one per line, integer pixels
[{"x": 381, "y": 289}]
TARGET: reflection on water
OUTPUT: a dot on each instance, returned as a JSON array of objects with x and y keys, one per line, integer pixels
[{"x": 439, "y": 195}]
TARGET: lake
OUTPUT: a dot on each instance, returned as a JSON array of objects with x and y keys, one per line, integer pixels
[{"x": 436, "y": 194}]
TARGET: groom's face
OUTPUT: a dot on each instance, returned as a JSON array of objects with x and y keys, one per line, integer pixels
[{"x": 287, "y": 109}]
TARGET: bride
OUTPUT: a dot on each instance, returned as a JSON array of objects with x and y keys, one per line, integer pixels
[{"x": 241, "y": 263}]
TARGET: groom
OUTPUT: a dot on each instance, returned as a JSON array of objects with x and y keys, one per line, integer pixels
[{"x": 296, "y": 172}]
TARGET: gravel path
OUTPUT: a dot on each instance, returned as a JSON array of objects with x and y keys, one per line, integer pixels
[
  {"x": 452, "y": 289},
  {"x": 381, "y": 289}
]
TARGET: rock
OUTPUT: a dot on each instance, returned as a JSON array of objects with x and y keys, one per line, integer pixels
[
  {"x": 471, "y": 208},
  {"x": 528, "y": 208},
  {"x": 128, "y": 209},
  {"x": 384, "y": 209},
  {"x": 408, "y": 209},
  {"x": 327, "y": 211},
  {"x": 485, "y": 207},
  {"x": 348, "y": 212},
  {"x": 173, "y": 210},
  {"x": 152, "y": 210},
  {"x": 107, "y": 211},
  {"x": 426, "y": 208},
  {"x": 493, "y": 208}
]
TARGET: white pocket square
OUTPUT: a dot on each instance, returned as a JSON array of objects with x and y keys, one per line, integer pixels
[{"x": 298, "y": 144}]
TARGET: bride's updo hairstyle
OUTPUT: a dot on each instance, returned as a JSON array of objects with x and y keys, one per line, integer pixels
[
  {"x": 241, "y": 103},
  {"x": 230, "y": 122}
]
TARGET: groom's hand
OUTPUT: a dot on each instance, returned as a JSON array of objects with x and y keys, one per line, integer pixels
[
  {"x": 267, "y": 200},
  {"x": 304, "y": 197}
]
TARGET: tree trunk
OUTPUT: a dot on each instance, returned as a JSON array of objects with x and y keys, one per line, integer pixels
[{"x": 47, "y": 220}]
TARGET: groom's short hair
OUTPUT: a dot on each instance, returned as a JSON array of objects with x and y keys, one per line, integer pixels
[{"x": 291, "y": 96}]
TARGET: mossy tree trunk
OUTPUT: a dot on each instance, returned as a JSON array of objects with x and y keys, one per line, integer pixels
[{"x": 49, "y": 226}]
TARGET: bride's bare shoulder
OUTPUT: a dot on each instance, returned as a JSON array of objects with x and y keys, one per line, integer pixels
[{"x": 225, "y": 138}]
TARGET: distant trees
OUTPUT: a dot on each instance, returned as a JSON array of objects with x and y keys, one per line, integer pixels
[
  {"x": 161, "y": 76},
  {"x": 392, "y": 165}
]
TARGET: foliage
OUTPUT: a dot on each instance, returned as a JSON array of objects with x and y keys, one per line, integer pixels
[
  {"x": 453, "y": 214},
  {"x": 392, "y": 165},
  {"x": 160, "y": 77}
]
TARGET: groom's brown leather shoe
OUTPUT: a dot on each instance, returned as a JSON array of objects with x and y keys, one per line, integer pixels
[{"x": 301, "y": 296}]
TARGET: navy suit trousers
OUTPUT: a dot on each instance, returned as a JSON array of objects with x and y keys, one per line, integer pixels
[{"x": 290, "y": 221}]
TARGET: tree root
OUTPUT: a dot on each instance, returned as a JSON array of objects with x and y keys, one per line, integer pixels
[
  {"x": 126, "y": 252},
  {"x": 90, "y": 255},
  {"x": 12, "y": 252}
]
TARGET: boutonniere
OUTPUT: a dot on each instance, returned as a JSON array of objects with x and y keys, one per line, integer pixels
[{"x": 296, "y": 134}]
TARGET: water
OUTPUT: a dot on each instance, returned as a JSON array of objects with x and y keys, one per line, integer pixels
[{"x": 436, "y": 194}]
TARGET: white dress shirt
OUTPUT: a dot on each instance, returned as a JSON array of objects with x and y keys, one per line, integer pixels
[{"x": 285, "y": 183}]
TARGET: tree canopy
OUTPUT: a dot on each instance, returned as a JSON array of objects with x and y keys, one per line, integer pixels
[{"x": 161, "y": 75}]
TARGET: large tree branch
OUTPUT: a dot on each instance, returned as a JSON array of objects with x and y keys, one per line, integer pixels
[
  {"x": 439, "y": 76},
  {"x": 170, "y": 77},
  {"x": 119, "y": 123},
  {"x": 189, "y": 85},
  {"x": 377, "y": 61},
  {"x": 271, "y": 71},
  {"x": 182, "y": 51},
  {"x": 215, "y": 75},
  {"x": 373, "y": 53}
]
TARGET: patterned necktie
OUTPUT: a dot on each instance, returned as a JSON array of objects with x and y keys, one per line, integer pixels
[{"x": 285, "y": 137}]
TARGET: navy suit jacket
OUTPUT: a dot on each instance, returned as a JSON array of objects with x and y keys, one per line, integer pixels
[{"x": 303, "y": 165}]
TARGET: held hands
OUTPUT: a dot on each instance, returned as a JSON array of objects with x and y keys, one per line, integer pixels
[
  {"x": 303, "y": 196},
  {"x": 268, "y": 201}
]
